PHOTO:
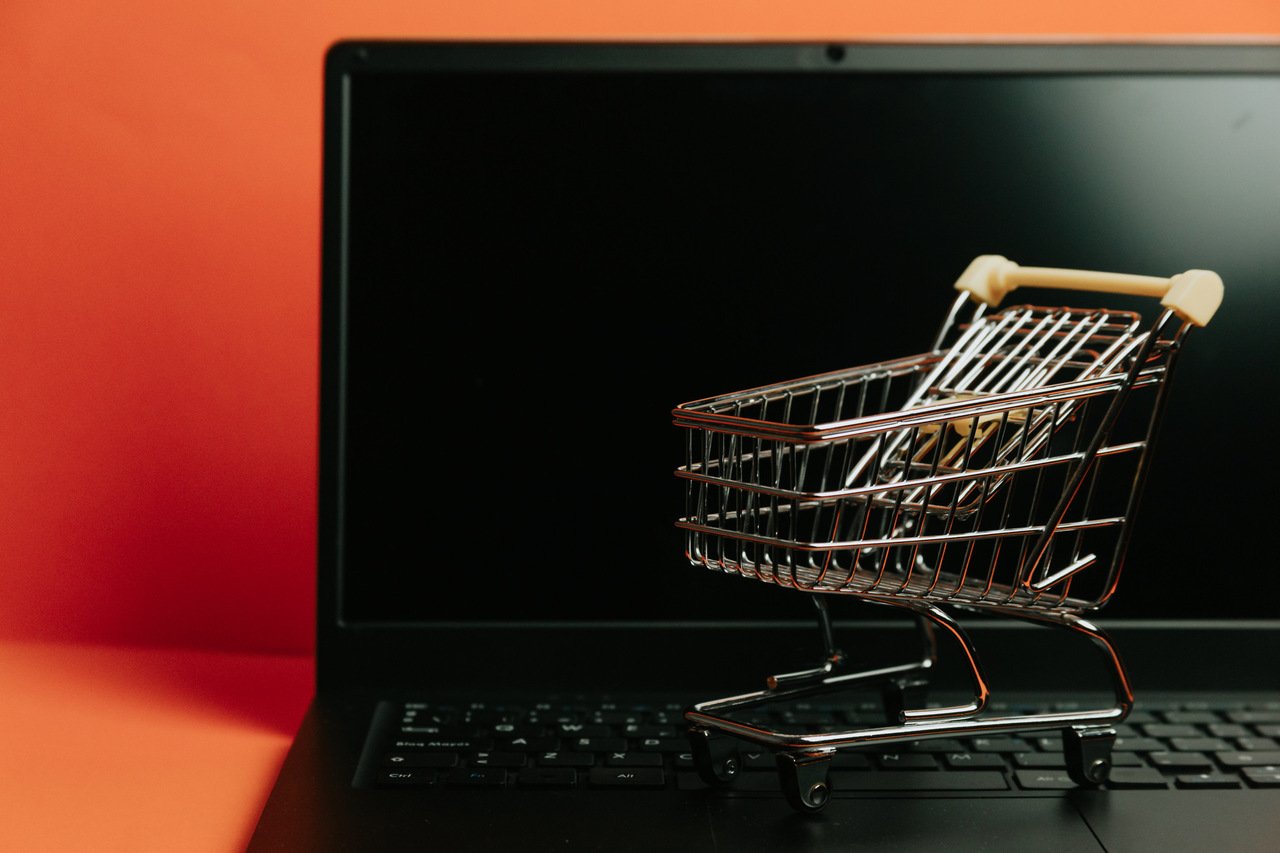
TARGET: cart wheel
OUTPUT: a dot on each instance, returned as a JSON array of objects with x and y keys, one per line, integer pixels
[
  {"x": 804, "y": 780},
  {"x": 715, "y": 758},
  {"x": 901, "y": 694},
  {"x": 1088, "y": 754}
]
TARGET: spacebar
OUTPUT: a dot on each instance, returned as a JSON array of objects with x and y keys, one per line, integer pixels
[{"x": 922, "y": 780}]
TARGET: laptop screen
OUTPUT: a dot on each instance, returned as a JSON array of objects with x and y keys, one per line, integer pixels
[{"x": 541, "y": 255}]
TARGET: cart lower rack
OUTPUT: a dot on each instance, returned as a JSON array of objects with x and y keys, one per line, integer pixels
[{"x": 998, "y": 472}]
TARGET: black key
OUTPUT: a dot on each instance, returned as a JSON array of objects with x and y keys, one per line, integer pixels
[
  {"x": 906, "y": 761},
  {"x": 1139, "y": 717},
  {"x": 1127, "y": 759},
  {"x": 547, "y": 777},
  {"x": 1254, "y": 717},
  {"x": 1272, "y": 730},
  {"x": 1199, "y": 744},
  {"x": 1040, "y": 760},
  {"x": 1139, "y": 744},
  {"x": 1262, "y": 777},
  {"x": 1000, "y": 744},
  {"x": 973, "y": 760},
  {"x": 1190, "y": 762},
  {"x": 434, "y": 732},
  {"x": 1257, "y": 744},
  {"x": 459, "y": 744},
  {"x": 1041, "y": 780},
  {"x": 576, "y": 730},
  {"x": 627, "y": 777},
  {"x": 664, "y": 744},
  {"x": 1228, "y": 730},
  {"x": 509, "y": 731},
  {"x": 1135, "y": 777},
  {"x": 617, "y": 718},
  {"x": 1169, "y": 730},
  {"x": 420, "y": 759},
  {"x": 939, "y": 746},
  {"x": 641, "y": 730},
  {"x": 602, "y": 744},
  {"x": 497, "y": 759},
  {"x": 1208, "y": 780},
  {"x": 406, "y": 778},
  {"x": 633, "y": 759},
  {"x": 476, "y": 777},
  {"x": 1247, "y": 759},
  {"x": 529, "y": 744},
  {"x": 1192, "y": 717},
  {"x": 566, "y": 759},
  {"x": 757, "y": 760},
  {"x": 918, "y": 780}
]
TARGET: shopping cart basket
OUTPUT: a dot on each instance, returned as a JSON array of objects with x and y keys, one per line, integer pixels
[{"x": 998, "y": 472}]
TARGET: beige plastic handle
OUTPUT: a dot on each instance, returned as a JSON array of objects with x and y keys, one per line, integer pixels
[{"x": 1193, "y": 295}]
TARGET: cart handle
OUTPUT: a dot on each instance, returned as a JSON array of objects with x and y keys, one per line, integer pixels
[{"x": 1193, "y": 295}]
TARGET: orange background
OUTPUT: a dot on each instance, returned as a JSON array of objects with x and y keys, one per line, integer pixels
[{"x": 159, "y": 220}]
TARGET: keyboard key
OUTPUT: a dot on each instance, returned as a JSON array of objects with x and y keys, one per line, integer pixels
[
  {"x": 663, "y": 744},
  {"x": 1127, "y": 759},
  {"x": 1208, "y": 780},
  {"x": 999, "y": 744},
  {"x": 918, "y": 780},
  {"x": 577, "y": 730},
  {"x": 1272, "y": 730},
  {"x": 1041, "y": 780},
  {"x": 758, "y": 760},
  {"x": 1191, "y": 717},
  {"x": 627, "y": 777},
  {"x": 1257, "y": 744},
  {"x": 1140, "y": 744},
  {"x": 1040, "y": 760},
  {"x": 938, "y": 746},
  {"x": 497, "y": 759},
  {"x": 476, "y": 777},
  {"x": 406, "y": 778},
  {"x": 1189, "y": 762},
  {"x": 547, "y": 777},
  {"x": 566, "y": 759},
  {"x": 1228, "y": 730},
  {"x": 607, "y": 744},
  {"x": 906, "y": 761},
  {"x": 1254, "y": 717},
  {"x": 1199, "y": 744},
  {"x": 529, "y": 744},
  {"x": 973, "y": 760},
  {"x": 1262, "y": 777},
  {"x": 1135, "y": 777},
  {"x": 1247, "y": 759},
  {"x": 402, "y": 760},
  {"x": 633, "y": 759},
  {"x": 1167, "y": 730},
  {"x": 642, "y": 730},
  {"x": 458, "y": 744}
]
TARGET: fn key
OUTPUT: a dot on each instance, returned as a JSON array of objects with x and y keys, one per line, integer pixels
[{"x": 627, "y": 777}]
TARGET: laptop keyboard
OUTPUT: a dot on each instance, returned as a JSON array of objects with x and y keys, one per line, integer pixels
[{"x": 1190, "y": 745}]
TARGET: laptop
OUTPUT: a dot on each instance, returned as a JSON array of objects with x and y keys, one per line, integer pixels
[{"x": 533, "y": 252}]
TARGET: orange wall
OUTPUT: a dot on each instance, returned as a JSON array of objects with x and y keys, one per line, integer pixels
[{"x": 159, "y": 217}]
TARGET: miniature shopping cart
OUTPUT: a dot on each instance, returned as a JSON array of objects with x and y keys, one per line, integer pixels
[{"x": 998, "y": 472}]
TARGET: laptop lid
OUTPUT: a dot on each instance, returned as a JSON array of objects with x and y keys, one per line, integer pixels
[{"x": 531, "y": 252}]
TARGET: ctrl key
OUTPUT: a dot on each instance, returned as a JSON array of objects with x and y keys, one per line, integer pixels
[{"x": 407, "y": 777}]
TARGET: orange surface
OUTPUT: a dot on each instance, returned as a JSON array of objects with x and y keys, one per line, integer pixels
[
  {"x": 110, "y": 749},
  {"x": 159, "y": 194}
]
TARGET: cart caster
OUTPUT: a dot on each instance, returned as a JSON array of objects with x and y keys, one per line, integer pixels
[
  {"x": 1088, "y": 754},
  {"x": 901, "y": 694},
  {"x": 804, "y": 780},
  {"x": 715, "y": 758}
]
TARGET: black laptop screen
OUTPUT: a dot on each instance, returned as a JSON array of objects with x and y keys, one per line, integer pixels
[{"x": 538, "y": 265}]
